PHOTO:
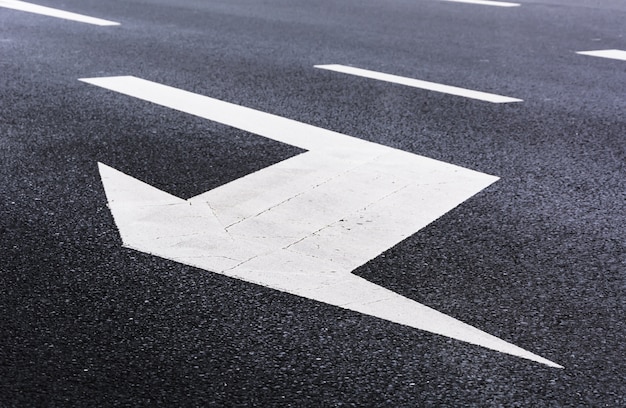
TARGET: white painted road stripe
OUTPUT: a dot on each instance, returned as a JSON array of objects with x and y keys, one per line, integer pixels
[
  {"x": 486, "y": 3},
  {"x": 612, "y": 54},
  {"x": 47, "y": 11},
  {"x": 302, "y": 225},
  {"x": 416, "y": 83}
]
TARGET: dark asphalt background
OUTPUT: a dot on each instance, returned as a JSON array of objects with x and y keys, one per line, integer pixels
[{"x": 538, "y": 259}]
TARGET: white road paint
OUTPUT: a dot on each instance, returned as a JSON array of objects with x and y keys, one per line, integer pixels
[
  {"x": 612, "y": 54},
  {"x": 302, "y": 225},
  {"x": 47, "y": 11},
  {"x": 486, "y": 3},
  {"x": 416, "y": 83}
]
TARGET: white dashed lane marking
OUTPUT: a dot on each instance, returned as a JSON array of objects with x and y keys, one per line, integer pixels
[
  {"x": 417, "y": 83},
  {"x": 486, "y": 3},
  {"x": 51, "y": 12},
  {"x": 612, "y": 54}
]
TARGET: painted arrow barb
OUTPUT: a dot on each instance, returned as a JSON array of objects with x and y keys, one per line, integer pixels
[{"x": 302, "y": 225}]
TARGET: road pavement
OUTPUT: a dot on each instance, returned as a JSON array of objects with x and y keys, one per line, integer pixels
[{"x": 537, "y": 259}]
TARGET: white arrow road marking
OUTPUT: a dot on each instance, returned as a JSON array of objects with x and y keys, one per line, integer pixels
[
  {"x": 612, "y": 54},
  {"x": 486, "y": 3},
  {"x": 418, "y": 83},
  {"x": 51, "y": 12},
  {"x": 302, "y": 225}
]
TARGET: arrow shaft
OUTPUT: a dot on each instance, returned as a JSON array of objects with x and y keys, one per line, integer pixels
[{"x": 264, "y": 124}]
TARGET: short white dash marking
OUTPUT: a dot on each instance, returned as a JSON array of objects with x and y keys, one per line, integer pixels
[
  {"x": 486, "y": 3},
  {"x": 51, "y": 12},
  {"x": 612, "y": 54},
  {"x": 417, "y": 83}
]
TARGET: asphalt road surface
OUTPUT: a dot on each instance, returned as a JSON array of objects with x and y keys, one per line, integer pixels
[{"x": 537, "y": 259}]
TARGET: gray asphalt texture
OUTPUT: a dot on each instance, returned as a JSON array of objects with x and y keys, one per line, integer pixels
[{"x": 537, "y": 259}]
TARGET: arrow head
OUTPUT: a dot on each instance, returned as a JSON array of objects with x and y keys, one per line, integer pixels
[{"x": 187, "y": 231}]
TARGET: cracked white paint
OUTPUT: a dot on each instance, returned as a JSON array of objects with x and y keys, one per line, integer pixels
[{"x": 302, "y": 225}]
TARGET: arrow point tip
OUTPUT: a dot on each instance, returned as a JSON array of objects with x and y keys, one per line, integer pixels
[
  {"x": 555, "y": 365},
  {"x": 107, "y": 171}
]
